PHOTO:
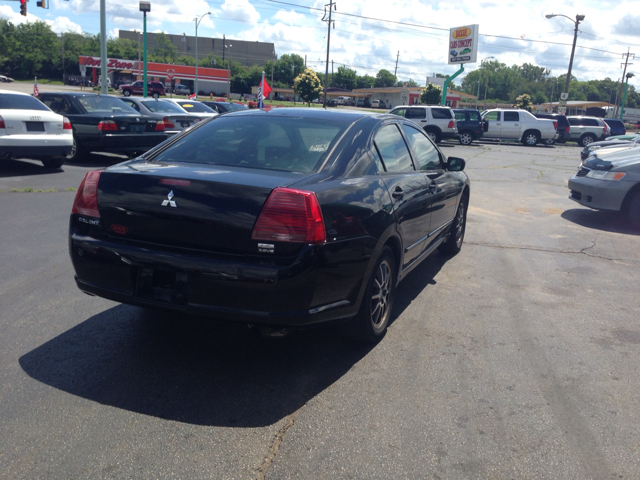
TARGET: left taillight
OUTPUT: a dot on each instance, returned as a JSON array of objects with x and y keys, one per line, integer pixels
[
  {"x": 160, "y": 126},
  {"x": 168, "y": 123},
  {"x": 66, "y": 124},
  {"x": 86, "y": 202},
  {"x": 290, "y": 215},
  {"x": 107, "y": 126},
  {"x": 555, "y": 125},
  {"x": 2, "y": 125},
  {"x": 451, "y": 124}
]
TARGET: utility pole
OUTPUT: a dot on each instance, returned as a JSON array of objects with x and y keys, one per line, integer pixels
[
  {"x": 223, "y": 47},
  {"x": 332, "y": 82},
  {"x": 331, "y": 6},
  {"x": 626, "y": 63},
  {"x": 62, "y": 43},
  {"x": 104, "y": 86},
  {"x": 395, "y": 72}
]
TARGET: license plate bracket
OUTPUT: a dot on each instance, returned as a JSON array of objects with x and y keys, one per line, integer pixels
[
  {"x": 162, "y": 286},
  {"x": 35, "y": 126}
]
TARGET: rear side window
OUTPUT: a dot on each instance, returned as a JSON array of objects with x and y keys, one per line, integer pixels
[
  {"x": 460, "y": 116},
  {"x": 393, "y": 150},
  {"x": 474, "y": 116},
  {"x": 416, "y": 113},
  {"x": 591, "y": 122},
  {"x": 441, "y": 113},
  {"x": 511, "y": 116},
  {"x": 10, "y": 101},
  {"x": 426, "y": 154},
  {"x": 273, "y": 143}
]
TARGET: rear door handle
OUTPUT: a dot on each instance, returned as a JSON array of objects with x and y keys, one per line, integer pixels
[
  {"x": 433, "y": 187},
  {"x": 398, "y": 193}
]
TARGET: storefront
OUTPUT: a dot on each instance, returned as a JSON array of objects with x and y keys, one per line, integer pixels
[{"x": 210, "y": 80}]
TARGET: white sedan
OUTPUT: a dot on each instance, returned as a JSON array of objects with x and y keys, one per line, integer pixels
[
  {"x": 193, "y": 106},
  {"x": 28, "y": 129}
]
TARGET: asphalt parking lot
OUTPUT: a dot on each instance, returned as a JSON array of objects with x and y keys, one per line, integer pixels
[{"x": 517, "y": 358}]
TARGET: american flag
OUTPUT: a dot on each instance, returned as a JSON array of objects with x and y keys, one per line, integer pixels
[{"x": 36, "y": 92}]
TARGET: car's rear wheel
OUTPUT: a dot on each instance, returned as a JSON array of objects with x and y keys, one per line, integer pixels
[
  {"x": 370, "y": 324},
  {"x": 78, "y": 152},
  {"x": 434, "y": 135},
  {"x": 53, "y": 162},
  {"x": 549, "y": 142},
  {"x": 453, "y": 244},
  {"x": 127, "y": 93},
  {"x": 530, "y": 138},
  {"x": 155, "y": 95},
  {"x": 633, "y": 209},
  {"x": 587, "y": 139},
  {"x": 466, "y": 138}
]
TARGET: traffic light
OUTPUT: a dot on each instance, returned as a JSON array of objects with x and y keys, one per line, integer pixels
[
  {"x": 23, "y": 7},
  {"x": 41, "y": 3}
]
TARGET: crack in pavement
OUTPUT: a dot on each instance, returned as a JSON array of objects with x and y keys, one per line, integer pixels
[
  {"x": 275, "y": 446},
  {"x": 582, "y": 251}
]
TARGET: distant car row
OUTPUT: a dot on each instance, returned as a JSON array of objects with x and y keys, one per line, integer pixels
[{"x": 67, "y": 125}]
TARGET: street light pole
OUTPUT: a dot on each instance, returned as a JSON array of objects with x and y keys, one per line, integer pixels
[
  {"x": 198, "y": 23},
  {"x": 579, "y": 18},
  {"x": 144, "y": 8},
  {"x": 624, "y": 96}
]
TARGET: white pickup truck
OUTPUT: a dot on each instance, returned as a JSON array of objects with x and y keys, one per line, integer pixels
[{"x": 519, "y": 125}]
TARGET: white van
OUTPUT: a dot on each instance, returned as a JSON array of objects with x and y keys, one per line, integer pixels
[{"x": 344, "y": 101}]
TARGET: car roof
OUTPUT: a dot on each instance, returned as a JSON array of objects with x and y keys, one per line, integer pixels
[
  {"x": 314, "y": 113},
  {"x": 13, "y": 91},
  {"x": 80, "y": 94}
]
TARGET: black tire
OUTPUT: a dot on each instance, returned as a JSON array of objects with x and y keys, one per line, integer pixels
[
  {"x": 155, "y": 95},
  {"x": 587, "y": 139},
  {"x": 370, "y": 324},
  {"x": 53, "y": 162},
  {"x": 434, "y": 135},
  {"x": 127, "y": 93},
  {"x": 78, "y": 152},
  {"x": 530, "y": 138},
  {"x": 453, "y": 244},
  {"x": 549, "y": 142},
  {"x": 633, "y": 209},
  {"x": 466, "y": 138}
]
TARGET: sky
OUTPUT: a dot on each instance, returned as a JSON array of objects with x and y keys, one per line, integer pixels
[{"x": 370, "y": 35}]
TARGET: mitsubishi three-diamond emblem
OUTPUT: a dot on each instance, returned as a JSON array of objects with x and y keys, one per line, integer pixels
[{"x": 169, "y": 200}]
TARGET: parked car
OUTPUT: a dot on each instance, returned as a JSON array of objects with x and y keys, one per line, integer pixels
[
  {"x": 104, "y": 123},
  {"x": 285, "y": 218},
  {"x": 564, "y": 130},
  {"x": 378, "y": 104},
  {"x": 438, "y": 122},
  {"x": 610, "y": 181},
  {"x": 347, "y": 101},
  {"x": 469, "y": 125},
  {"x": 332, "y": 102},
  {"x": 607, "y": 144},
  {"x": 363, "y": 102},
  {"x": 29, "y": 129},
  {"x": 518, "y": 125},
  {"x": 181, "y": 89},
  {"x": 154, "y": 89},
  {"x": 175, "y": 118},
  {"x": 85, "y": 82},
  {"x": 616, "y": 127},
  {"x": 224, "y": 107},
  {"x": 4, "y": 79},
  {"x": 586, "y": 130},
  {"x": 193, "y": 106}
]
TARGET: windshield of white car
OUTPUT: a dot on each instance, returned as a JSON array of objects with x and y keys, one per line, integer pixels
[
  {"x": 196, "y": 107},
  {"x": 265, "y": 142},
  {"x": 9, "y": 101},
  {"x": 158, "y": 106}
]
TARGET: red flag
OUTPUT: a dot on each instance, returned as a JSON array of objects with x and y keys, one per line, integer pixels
[
  {"x": 192, "y": 96},
  {"x": 36, "y": 92},
  {"x": 266, "y": 89}
]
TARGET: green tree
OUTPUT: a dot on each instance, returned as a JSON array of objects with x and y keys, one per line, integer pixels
[
  {"x": 524, "y": 102},
  {"x": 365, "y": 81},
  {"x": 345, "y": 78},
  {"x": 307, "y": 86},
  {"x": 431, "y": 95},
  {"x": 164, "y": 51},
  {"x": 385, "y": 78}
]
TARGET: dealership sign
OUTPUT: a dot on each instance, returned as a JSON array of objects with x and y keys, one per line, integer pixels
[{"x": 463, "y": 44}]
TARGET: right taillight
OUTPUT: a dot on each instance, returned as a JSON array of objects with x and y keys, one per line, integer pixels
[
  {"x": 450, "y": 124},
  {"x": 568, "y": 129},
  {"x": 2, "y": 125},
  {"x": 86, "y": 202},
  {"x": 290, "y": 215},
  {"x": 66, "y": 124},
  {"x": 168, "y": 123},
  {"x": 107, "y": 126},
  {"x": 555, "y": 125}
]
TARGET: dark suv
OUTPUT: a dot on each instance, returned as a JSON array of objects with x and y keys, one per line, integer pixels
[
  {"x": 617, "y": 126},
  {"x": 564, "y": 130},
  {"x": 154, "y": 89},
  {"x": 469, "y": 125}
]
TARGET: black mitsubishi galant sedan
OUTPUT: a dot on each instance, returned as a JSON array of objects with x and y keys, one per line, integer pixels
[{"x": 283, "y": 218}]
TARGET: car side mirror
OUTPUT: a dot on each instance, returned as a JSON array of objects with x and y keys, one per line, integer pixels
[{"x": 455, "y": 164}]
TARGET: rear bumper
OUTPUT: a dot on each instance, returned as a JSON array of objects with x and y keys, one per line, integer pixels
[
  {"x": 36, "y": 146},
  {"x": 308, "y": 290}
]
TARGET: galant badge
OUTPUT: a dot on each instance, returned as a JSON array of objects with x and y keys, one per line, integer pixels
[{"x": 169, "y": 200}]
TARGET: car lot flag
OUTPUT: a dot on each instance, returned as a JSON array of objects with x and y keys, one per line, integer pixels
[
  {"x": 36, "y": 92},
  {"x": 192, "y": 96},
  {"x": 263, "y": 91}
]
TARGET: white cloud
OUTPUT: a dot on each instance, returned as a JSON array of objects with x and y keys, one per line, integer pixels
[{"x": 63, "y": 24}]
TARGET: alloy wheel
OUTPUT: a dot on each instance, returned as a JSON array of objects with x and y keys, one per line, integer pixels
[{"x": 381, "y": 295}]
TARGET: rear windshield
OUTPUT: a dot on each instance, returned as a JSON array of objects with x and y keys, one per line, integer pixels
[
  {"x": 102, "y": 104},
  {"x": 196, "y": 107},
  {"x": 614, "y": 123},
  {"x": 255, "y": 141},
  {"x": 10, "y": 101},
  {"x": 234, "y": 107},
  {"x": 158, "y": 106}
]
